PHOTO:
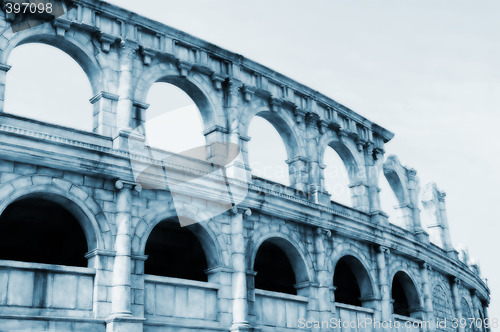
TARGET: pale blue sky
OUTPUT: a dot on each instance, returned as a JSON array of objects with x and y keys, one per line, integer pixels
[{"x": 427, "y": 70}]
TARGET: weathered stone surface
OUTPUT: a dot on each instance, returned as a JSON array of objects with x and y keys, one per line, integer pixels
[{"x": 123, "y": 55}]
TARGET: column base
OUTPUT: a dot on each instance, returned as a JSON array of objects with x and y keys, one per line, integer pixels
[
  {"x": 124, "y": 324},
  {"x": 240, "y": 327}
]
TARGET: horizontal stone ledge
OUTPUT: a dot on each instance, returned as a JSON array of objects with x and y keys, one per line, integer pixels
[
  {"x": 47, "y": 267},
  {"x": 281, "y": 296},
  {"x": 180, "y": 282},
  {"x": 54, "y": 318}
]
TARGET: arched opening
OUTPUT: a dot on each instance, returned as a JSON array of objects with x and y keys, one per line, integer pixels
[
  {"x": 267, "y": 152},
  {"x": 41, "y": 231},
  {"x": 175, "y": 251},
  {"x": 336, "y": 177},
  {"x": 405, "y": 296},
  {"x": 347, "y": 288},
  {"x": 442, "y": 306},
  {"x": 467, "y": 315},
  {"x": 173, "y": 120},
  {"x": 352, "y": 282},
  {"x": 279, "y": 267},
  {"x": 48, "y": 85},
  {"x": 388, "y": 201}
]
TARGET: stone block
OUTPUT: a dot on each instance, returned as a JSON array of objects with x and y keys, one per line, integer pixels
[
  {"x": 20, "y": 288},
  {"x": 104, "y": 195},
  {"x": 50, "y": 172},
  {"x": 7, "y": 177},
  {"x": 64, "y": 291},
  {"x": 6, "y": 166},
  {"x": 42, "y": 180},
  {"x": 62, "y": 184},
  {"x": 74, "y": 178},
  {"x": 24, "y": 169},
  {"x": 93, "y": 181}
]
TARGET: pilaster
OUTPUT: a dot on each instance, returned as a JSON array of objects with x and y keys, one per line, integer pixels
[{"x": 385, "y": 287}]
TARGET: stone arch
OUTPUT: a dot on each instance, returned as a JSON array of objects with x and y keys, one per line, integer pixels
[
  {"x": 281, "y": 120},
  {"x": 361, "y": 270},
  {"x": 45, "y": 34},
  {"x": 88, "y": 213},
  {"x": 292, "y": 247},
  {"x": 213, "y": 246},
  {"x": 196, "y": 86},
  {"x": 410, "y": 291},
  {"x": 395, "y": 174},
  {"x": 347, "y": 151}
]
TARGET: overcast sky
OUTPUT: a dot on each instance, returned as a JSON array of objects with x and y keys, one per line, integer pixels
[{"x": 427, "y": 70}]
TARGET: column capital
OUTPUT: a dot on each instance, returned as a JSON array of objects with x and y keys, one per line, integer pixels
[
  {"x": 456, "y": 281},
  {"x": 425, "y": 266},
  {"x": 323, "y": 232},
  {"x": 243, "y": 211},
  {"x": 124, "y": 184},
  {"x": 383, "y": 250}
]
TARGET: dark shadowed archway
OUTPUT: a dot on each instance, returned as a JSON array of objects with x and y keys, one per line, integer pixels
[{"x": 40, "y": 230}]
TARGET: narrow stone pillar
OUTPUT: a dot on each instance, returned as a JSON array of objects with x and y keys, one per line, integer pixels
[
  {"x": 121, "y": 315},
  {"x": 372, "y": 167},
  {"x": 239, "y": 277},
  {"x": 360, "y": 196},
  {"x": 427, "y": 294},
  {"x": 457, "y": 305},
  {"x": 298, "y": 170},
  {"x": 414, "y": 193},
  {"x": 444, "y": 222},
  {"x": 485, "y": 313},
  {"x": 104, "y": 113},
  {"x": 433, "y": 201},
  {"x": 123, "y": 245},
  {"x": 3, "y": 78},
  {"x": 385, "y": 287},
  {"x": 314, "y": 171},
  {"x": 325, "y": 303},
  {"x": 125, "y": 106}
]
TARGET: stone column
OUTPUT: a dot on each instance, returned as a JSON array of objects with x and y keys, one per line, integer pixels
[
  {"x": 427, "y": 294},
  {"x": 414, "y": 193},
  {"x": 457, "y": 305},
  {"x": 444, "y": 222},
  {"x": 3, "y": 78},
  {"x": 326, "y": 304},
  {"x": 239, "y": 277},
  {"x": 372, "y": 166},
  {"x": 125, "y": 105},
  {"x": 314, "y": 172},
  {"x": 121, "y": 315},
  {"x": 385, "y": 287},
  {"x": 485, "y": 313}
]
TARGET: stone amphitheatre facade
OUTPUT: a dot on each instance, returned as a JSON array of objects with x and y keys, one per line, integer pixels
[{"x": 87, "y": 244}]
